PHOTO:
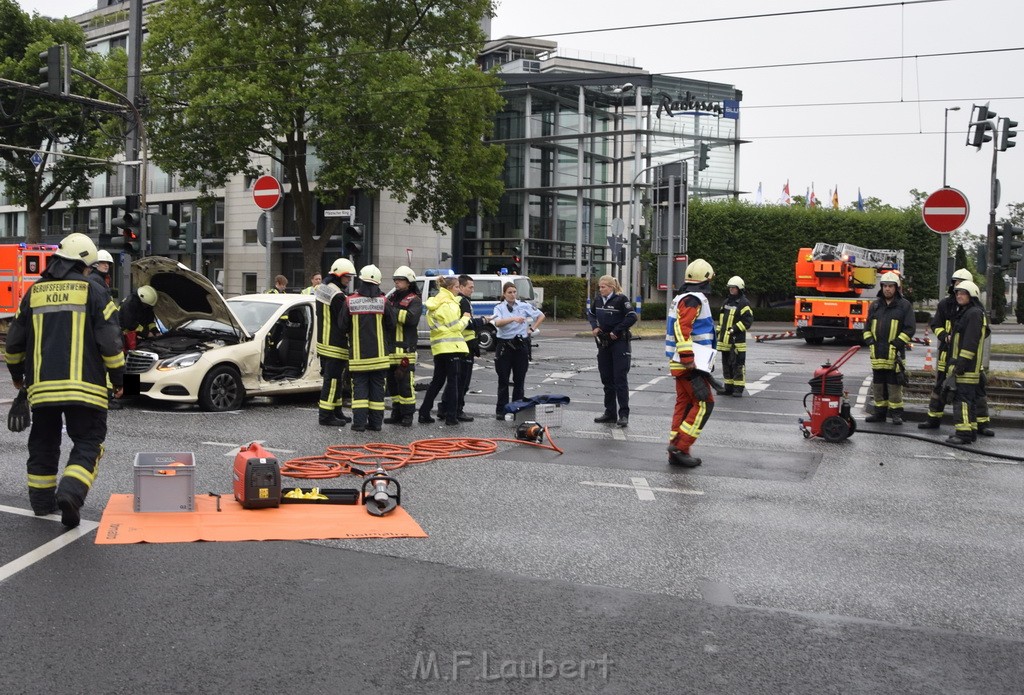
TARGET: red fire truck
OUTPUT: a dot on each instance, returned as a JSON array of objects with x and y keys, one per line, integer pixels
[{"x": 20, "y": 266}]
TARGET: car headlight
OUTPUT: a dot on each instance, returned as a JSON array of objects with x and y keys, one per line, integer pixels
[{"x": 179, "y": 362}]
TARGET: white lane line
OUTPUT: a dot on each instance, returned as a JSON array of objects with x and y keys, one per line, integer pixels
[
  {"x": 618, "y": 434},
  {"x": 762, "y": 383},
  {"x": 643, "y": 489},
  {"x": 675, "y": 490},
  {"x": 863, "y": 393},
  {"x": 48, "y": 548},
  {"x": 650, "y": 383}
]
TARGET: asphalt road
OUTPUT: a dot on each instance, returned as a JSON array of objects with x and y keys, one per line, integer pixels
[{"x": 885, "y": 564}]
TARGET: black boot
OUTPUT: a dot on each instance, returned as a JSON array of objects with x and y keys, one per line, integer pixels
[
  {"x": 69, "y": 515},
  {"x": 931, "y": 423},
  {"x": 878, "y": 415},
  {"x": 985, "y": 430},
  {"x": 607, "y": 417},
  {"x": 394, "y": 418},
  {"x": 678, "y": 457},
  {"x": 329, "y": 420}
]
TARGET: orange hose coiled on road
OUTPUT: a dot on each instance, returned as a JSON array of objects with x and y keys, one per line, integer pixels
[{"x": 344, "y": 459}]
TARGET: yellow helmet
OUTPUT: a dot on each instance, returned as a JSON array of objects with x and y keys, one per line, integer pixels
[
  {"x": 969, "y": 287},
  {"x": 737, "y": 282},
  {"x": 890, "y": 277},
  {"x": 962, "y": 274},
  {"x": 699, "y": 270},
  {"x": 147, "y": 294},
  {"x": 404, "y": 272},
  {"x": 343, "y": 266},
  {"x": 370, "y": 273},
  {"x": 77, "y": 247}
]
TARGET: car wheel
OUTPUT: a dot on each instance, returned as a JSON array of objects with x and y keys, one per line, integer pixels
[
  {"x": 486, "y": 339},
  {"x": 222, "y": 389}
]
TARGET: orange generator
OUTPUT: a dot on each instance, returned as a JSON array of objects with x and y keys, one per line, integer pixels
[{"x": 257, "y": 478}]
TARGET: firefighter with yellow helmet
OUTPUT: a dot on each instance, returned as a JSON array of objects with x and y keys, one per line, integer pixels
[
  {"x": 890, "y": 326},
  {"x": 734, "y": 320},
  {"x": 62, "y": 345}
]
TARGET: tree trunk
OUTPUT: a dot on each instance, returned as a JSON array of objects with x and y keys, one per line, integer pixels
[{"x": 34, "y": 224}]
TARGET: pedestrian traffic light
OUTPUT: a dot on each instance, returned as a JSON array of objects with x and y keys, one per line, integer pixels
[
  {"x": 515, "y": 267},
  {"x": 1006, "y": 134},
  {"x": 702, "y": 156},
  {"x": 1008, "y": 245},
  {"x": 128, "y": 224},
  {"x": 50, "y": 73},
  {"x": 978, "y": 131},
  {"x": 354, "y": 239}
]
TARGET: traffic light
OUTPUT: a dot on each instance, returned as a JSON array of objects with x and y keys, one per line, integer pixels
[
  {"x": 164, "y": 236},
  {"x": 1006, "y": 134},
  {"x": 702, "y": 156},
  {"x": 517, "y": 261},
  {"x": 354, "y": 239},
  {"x": 1008, "y": 245},
  {"x": 50, "y": 73},
  {"x": 128, "y": 225},
  {"x": 191, "y": 229},
  {"x": 980, "y": 125}
]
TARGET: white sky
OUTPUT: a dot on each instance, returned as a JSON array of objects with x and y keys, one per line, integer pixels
[{"x": 885, "y": 147}]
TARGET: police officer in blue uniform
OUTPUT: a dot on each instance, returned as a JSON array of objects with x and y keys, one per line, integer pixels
[{"x": 611, "y": 316}]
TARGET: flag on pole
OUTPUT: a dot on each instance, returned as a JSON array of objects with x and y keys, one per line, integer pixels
[
  {"x": 759, "y": 200},
  {"x": 807, "y": 197},
  {"x": 813, "y": 200},
  {"x": 860, "y": 200},
  {"x": 835, "y": 198},
  {"x": 786, "y": 199}
]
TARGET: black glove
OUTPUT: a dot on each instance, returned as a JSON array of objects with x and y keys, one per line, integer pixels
[
  {"x": 961, "y": 366},
  {"x": 898, "y": 344},
  {"x": 701, "y": 390},
  {"x": 949, "y": 389},
  {"x": 869, "y": 341},
  {"x": 20, "y": 416}
]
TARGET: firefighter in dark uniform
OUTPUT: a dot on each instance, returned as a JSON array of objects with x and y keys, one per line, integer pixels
[
  {"x": 890, "y": 327},
  {"x": 406, "y": 307},
  {"x": 942, "y": 327},
  {"x": 369, "y": 324},
  {"x": 331, "y": 341},
  {"x": 62, "y": 345},
  {"x": 966, "y": 356},
  {"x": 611, "y": 315},
  {"x": 734, "y": 320},
  {"x": 136, "y": 316}
]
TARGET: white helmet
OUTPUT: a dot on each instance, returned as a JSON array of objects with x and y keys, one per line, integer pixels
[
  {"x": 736, "y": 281},
  {"x": 77, "y": 247},
  {"x": 370, "y": 273},
  {"x": 404, "y": 272},
  {"x": 343, "y": 266},
  {"x": 103, "y": 256},
  {"x": 699, "y": 270},
  {"x": 962, "y": 274},
  {"x": 147, "y": 294},
  {"x": 890, "y": 277},
  {"x": 969, "y": 287}
]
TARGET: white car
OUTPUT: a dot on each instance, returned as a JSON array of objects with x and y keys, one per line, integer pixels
[{"x": 216, "y": 352}]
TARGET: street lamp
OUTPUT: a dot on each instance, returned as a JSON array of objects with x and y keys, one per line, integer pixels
[{"x": 945, "y": 130}]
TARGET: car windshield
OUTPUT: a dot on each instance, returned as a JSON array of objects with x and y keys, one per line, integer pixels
[
  {"x": 206, "y": 326},
  {"x": 253, "y": 315}
]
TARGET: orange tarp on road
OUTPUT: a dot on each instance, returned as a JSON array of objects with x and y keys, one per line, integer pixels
[{"x": 289, "y": 522}]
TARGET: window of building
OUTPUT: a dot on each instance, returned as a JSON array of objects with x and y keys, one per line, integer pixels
[
  {"x": 95, "y": 219},
  {"x": 67, "y": 220},
  {"x": 249, "y": 283},
  {"x": 249, "y": 237}
]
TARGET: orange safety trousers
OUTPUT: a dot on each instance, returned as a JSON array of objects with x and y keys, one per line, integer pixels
[{"x": 690, "y": 414}]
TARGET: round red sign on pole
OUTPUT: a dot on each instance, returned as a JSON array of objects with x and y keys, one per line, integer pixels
[
  {"x": 945, "y": 210},
  {"x": 266, "y": 192}
]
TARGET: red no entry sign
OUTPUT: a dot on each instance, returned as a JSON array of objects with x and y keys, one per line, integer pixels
[
  {"x": 266, "y": 192},
  {"x": 945, "y": 210}
]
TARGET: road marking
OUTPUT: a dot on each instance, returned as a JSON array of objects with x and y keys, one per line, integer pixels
[
  {"x": 762, "y": 383},
  {"x": 618, "y": 434},
  {"x": 48, "y": 548},
  {"x": 643, "y": 489},
  {"x": 650, "y": 383},
  {"x": 675, "y": 490}
]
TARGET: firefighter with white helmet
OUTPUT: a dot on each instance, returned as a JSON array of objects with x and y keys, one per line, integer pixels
[
  {"x": 103, "y": 265},
  {"x": 734, "y": 320},
  {"x": 890, "y": 326},
  {"x": 942, "y": 325},
  {"x": 691, "y": 361},
  {"x": 136, "y": 316},
  {"x": 62, "y": 347},
  {"x": 966, "y": 356},
  {"x": 368, "y": 325},
  {"x": 332, "y": 342},
  {"x": 406, "y": 307}
]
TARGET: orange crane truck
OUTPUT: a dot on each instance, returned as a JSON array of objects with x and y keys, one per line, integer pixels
[{"x": 838, "y": 274}]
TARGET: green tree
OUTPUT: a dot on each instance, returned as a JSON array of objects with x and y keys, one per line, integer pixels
[
  {"x": 346, "y": 95},
  {"x": 33, "y": 122},
  {"x": 961, "y": 257}
]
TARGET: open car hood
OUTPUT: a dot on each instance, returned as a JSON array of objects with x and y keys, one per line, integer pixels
[{"x": 182, "y": 294}]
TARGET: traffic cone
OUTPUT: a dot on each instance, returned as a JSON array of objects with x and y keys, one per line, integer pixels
[{"x": 928, "y": 366}]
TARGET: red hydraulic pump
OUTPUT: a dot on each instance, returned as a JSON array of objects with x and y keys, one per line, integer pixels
[{"x": 830, "y": 408}]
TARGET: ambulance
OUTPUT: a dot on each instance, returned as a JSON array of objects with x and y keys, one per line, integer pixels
[{"x": 20, "y": 266}]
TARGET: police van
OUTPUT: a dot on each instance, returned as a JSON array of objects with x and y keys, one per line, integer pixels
[{"x": 486, "y": 294}]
